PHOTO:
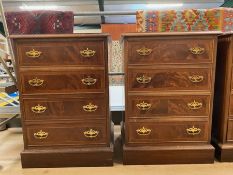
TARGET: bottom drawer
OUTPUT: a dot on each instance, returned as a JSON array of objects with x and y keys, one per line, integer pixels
[
  {"x": 75, "y": 133},
  {"x": 167, "y": 131}
]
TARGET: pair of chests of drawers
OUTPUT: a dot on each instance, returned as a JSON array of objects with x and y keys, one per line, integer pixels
[
  {"x": 64, "y": 97},
  {"x": 169, "y": 83}
]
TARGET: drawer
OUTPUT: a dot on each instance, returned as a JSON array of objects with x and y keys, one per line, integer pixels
[
  {"x": 164, "y": 106},
  {"x": 169, "y": 79},
  {"x": 167, "y": 131},
  {"x": 170, "y": 51},
  {"x": 83, "y": 133},
  {"x": 61, "y": 52},
  {"x": 64, "y": 108},
  {"x": 230, "y": 130},
  {"x": 231, "y": 105},
  {"x": 78, "y": 81},
  {"x": 232, "y": 78}
]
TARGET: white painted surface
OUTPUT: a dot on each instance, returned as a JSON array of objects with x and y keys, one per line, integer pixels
[{"x": 117, "y": 98}]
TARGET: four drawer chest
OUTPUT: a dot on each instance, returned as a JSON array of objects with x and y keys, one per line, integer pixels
[
  {"x": 169, "y": 79},
  {"x": 63, "y": 85}
]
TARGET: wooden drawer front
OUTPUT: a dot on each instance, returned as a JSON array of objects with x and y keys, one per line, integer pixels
[
  {"x": 232, "y": 78},
  {"x": 64, "y": 108},
  {"x": 61, "y": 52},
  {"x": 149, "y": 106},
  {"x": 173, "y": 131},
  {"x": 230, "y": 130},
  {"x": 231, "y": 106},
  {"x": 66, "y": 134},
  {"x": 154, "y": 51},
  {"x": 166, "y": 79},
  {"x": 62, "y": 82}
]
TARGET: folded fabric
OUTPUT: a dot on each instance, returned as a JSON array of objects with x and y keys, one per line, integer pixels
[
  {"x": 21, "y": 22},
  {"x": 218, "y": 19},
  {"x": 57, "y": 22},
  {"x": 39, "y": 22}
]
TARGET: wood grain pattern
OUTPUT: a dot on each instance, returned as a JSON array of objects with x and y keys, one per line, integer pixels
[
  {"x": 230, "y": 130},
  {"x": 162, "y": 106},
  {"x": 165, "y": 132},
  {"x": 222, "y": 133},
  {"x": 64, "y": 108},
  {"x": 167, "y": 51},
  {"x": 57, "y": 81},
  {"x": 61, "y": 52},
  {"x": 169, "y": 79},
  {"x": 163, "y": 73},
  {"x": 231, "y": 106},
  {"x": 63, "y": 81},
  {"x": 60, "y": 134}
]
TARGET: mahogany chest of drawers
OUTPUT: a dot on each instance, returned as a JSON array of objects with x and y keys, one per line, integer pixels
[
  {"x": 222, "y": 136},
  {"x": 63, "y": 85},
  {"x": 169, "y": 97}
]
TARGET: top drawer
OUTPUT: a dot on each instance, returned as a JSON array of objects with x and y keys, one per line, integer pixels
[
  {"x": 60, "y": 52},
  {"x": 167, "y": 51}
]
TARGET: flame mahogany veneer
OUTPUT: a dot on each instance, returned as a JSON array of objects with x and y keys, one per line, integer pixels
[
  {"x": 63, "y": 85},
  {"x": 169, "y": 97}
]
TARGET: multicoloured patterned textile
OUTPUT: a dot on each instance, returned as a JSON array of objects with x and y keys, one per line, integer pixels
[
  {"x": 39, "y": 22},
  {"x": 218, "y": 19}
]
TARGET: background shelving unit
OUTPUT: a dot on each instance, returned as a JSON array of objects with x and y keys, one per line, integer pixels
[{"x": 9, "y": 99}]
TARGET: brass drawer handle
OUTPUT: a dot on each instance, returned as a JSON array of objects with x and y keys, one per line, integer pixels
[
  {"x": 143, "y": 131},
  {"x": 197, "y": 50},
  {"x": 143, "y": 106},
  {"x": 193, "y": 131},
  {"x": 196, "y": 78},
  {"x": 91, "y": 133},
  {"x": 143, "y": 79},
  {"x": 144, "y": 51},
  {"x": 33, "y": 53},
  {"x": 89, "y": 81},
  {"x": 38, "y": 109},
  {"x": 41, "y": 135},
  {"x": 194, "y": 105},
  {"x": 36, "y": 82},
  {"x": 90, "y": 107},
  {"x": 87, "y": 53}
]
